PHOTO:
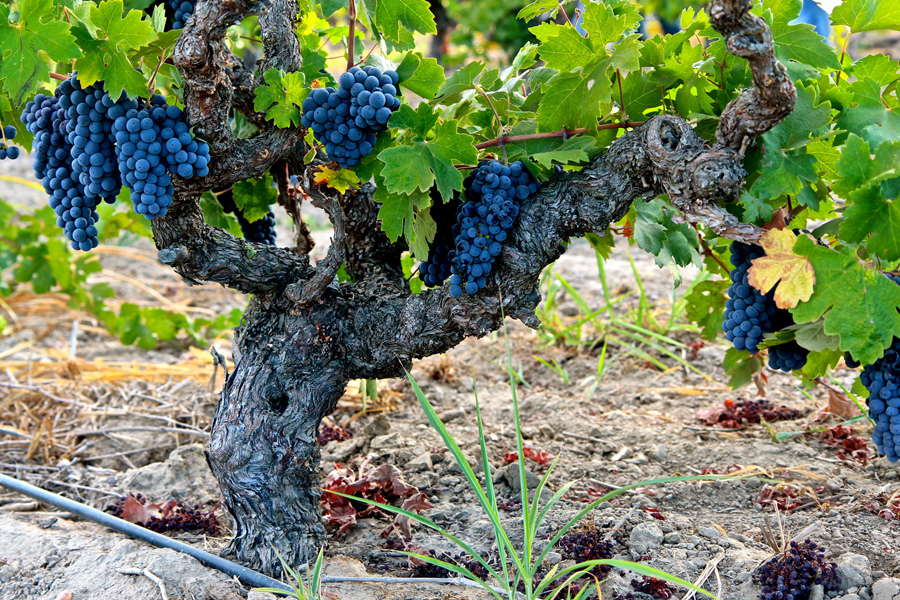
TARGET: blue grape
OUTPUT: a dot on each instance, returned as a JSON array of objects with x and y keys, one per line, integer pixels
[
  {"x": 182, "y": 10},
  {"x": 261, "y": 231},
  {"x": 482, "y": 222},
  {"x": 787, "y": 357},
  {"x": 790, "y": 575},
  {"x": 882, "y": 379},
  {"x": 346, "y": 119},
  {"x": 7, "y": 151}
]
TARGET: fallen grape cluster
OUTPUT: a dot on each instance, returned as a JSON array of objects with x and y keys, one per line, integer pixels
[
  {"x": 262, "y": 230},
  {"x": 86, "y": 145},
  {"x": 493, "y": 192},
  {"x": 882, "y": 379},
  {"x": 7, "y": 151},
  {"x": 346, "y": 119},
  {"x": 749, "y": 314},
  {"x": 791, "y": 575}
]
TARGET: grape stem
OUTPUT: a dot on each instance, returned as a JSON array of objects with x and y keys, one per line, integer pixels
[
  {"x": 562, "y": 133},
  {"x": 58, "y": 77},
  {"x": 501, "y": 140},
  {"x": 351, "y": 36}
]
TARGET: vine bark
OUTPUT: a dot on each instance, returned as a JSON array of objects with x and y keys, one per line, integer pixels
[{"x": 303, "y": 336}]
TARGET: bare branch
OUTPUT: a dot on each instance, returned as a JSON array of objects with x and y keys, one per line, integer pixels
[{"x": 327, "y": 268}]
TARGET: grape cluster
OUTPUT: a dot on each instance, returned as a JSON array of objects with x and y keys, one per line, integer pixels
[
  {"x": 787, "y": 357},
  {"x": 749, "y": 313},
  {"x": 182, "y": 10},
  {"x": 86, "y": 144},
  {"x": 436, "y": 269},
  {"x": 493, "y": 192},
  {"x": 7, "y": 151},
  {"x": 791, "y": 575},
  {"x": 346, "y": 119},
  {"x": 588, "y": 544},
  {"x": 262, "y": 230},
  {"x": 882, "y": 379}
]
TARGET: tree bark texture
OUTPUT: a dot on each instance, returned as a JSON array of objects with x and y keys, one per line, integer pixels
[{"x": 304, "y": 337}]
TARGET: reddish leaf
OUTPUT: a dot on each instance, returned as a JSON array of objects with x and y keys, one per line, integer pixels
[{"x": 135, "y": 512}]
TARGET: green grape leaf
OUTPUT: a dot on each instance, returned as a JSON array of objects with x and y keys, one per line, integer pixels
[
  {"x": 877, "y": 67},
  {"x": 460, "y": 81},
  {"x": 705, "y": 306},
  {"x": 574, "y": 100},
  {"x": 424, "y": 230},
  {"x": 859, "y": 304},
  {"x": 602, "y": 244},
  {"x": 572, "y": 150},
  {"x": 857, "y": 167},
  {"x": 673, "y": 244},
  {"x": 812, "y": 336},
  {"x": 867, "y": 15},
  {"x": 423, "y": 76},
  {"x": 426, "y": 162},
  {"x": 798, "y": 42},
  {"x": 563, "y": 48},
  {"x": 329, "y": 7},
  {"x": 396, "y": 19},
  {"x": 215, "y": 216},
  {"x": 39, "y": 28},
  {"x": 106, "y": 52},
  {"x": 313, "y": 63},
  {"x": 254, "y": 197},
  {"x": 398, "y": 211},
  {"x": 785, "y": 164},
  {"x": 281, "y": 96},
  {"x": 641, "y": 95},
  {"x": 871, "y": 119},
  {"x": 537, "y": 8},
  {"x": 741, "y": 366}
]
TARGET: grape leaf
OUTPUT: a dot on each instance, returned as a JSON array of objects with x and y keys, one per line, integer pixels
[
  {"x": 340, "y": 180},
  {"x": 786, "y": 165},
  {"x": 563, "y": 48},
  {"x": 673, "y": 244},
  {"x": 780, "y": 264},
  {"x": 460, "y": 81},
  {"x": 422, "y": 163},
  {"x": 872, "y": 119},
  {"x": 329, "y": 7},
  {"x": 255, "y": 196},
  {"x": 572, "y": 150},
  {"x": 537, "y": 8},
  {"x": 812, "y": 336},
  {"x": 576, "y": 100},
  {"x": 280, "y": 97},
  {"x": 397, "y": 212},
  {"x": 867, "y": 15},
  {"x": 798, "y": 42},
  {"x": 705, "y": 306},
  {"x": 424, "y": 76},
  {"x": 106, "y": 57},
  {"x": 741, "y": 366},
  {"x": 424, "y": 230},
  {"x": 395, "y": 19},
  {"x": 859, "y": 304},
  {"x": 215, "y": 216},
  {"x": 38, "y": 29},
  {"x": 313, "y": 63}
]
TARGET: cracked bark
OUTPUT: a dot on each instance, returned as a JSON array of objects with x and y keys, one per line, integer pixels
[{"x": 303, "y": 337}]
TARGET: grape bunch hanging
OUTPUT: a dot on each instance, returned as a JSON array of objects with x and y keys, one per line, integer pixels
[
  {"x": 86, "y": 145},
  {"x": 346, "y": 119},
  {"x": 882, "y": 379},
  {"x": 493, "y": 192},
  {"x": 262, "y": 230},
  {"x": 7, "y": 151},
  {"x": 182, "y": 10},
  {"x": 749, "y": 314}
]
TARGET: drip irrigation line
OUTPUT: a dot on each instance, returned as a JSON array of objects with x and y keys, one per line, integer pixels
[{"x": 247, "y": 576}]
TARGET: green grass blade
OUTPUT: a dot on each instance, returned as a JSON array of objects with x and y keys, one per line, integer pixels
[
  {"x": 638, "y": 568},
  {"x": 459, "y": 570}
]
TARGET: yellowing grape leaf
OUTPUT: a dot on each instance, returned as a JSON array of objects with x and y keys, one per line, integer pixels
[
  {"x": 780, "y": 264},
  {"x": 341, "y": 180}
]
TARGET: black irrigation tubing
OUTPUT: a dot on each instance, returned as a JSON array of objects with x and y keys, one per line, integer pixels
[{"x": 247, "y": 576}]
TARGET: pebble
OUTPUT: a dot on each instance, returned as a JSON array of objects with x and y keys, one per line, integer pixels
[
  {"x": 623, "y": 453},
  {"x": 452, "y": 415},
  {"x": 886, "y": 589},
  {"x": 854, "y": 571},
  {"x": 817, "y": 592},
  {"x": 672, "y": 538},
  {"x": 644, "y": 537},
  {"x": 710, "y": 532}
]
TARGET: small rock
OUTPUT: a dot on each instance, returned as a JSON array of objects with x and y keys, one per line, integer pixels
[
  {"x": 381, "y": 442},
  {"x": 850, "y": 597},
  {"x": 644, "y": 537},
  {"x": 452, "y": 415},
  {"x": 817, "y": 592},
  {"x": 623, "y": 453},
  {"x": 420, "y": 463},
  {"x": 886, "y": 589},
  {"x": 745, "y": 576},
  {"x": 548, "y": 432},
  {"x": 659, "y": 453},
  {"x": 553, "y": 558},
  {"x": 261, "y": 596},
  {"x": 672, "y": 538},
  {"x": 510, "y": 474},
  {"x": 596, "y": 432},
  {"x": 380, "y": 425},
  {"x": 853, "y": 569},
  {"x": 710, "y": 532}
]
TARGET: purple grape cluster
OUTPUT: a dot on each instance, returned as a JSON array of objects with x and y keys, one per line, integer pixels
[
  {"x": 436, "y": 269},
  {"x": 493, "y": 192},
  {"x": 182, "y": 10},
  {"x": 346, "y": 119},
  {"x": 588, "y": 544},
  {"x": 261, "y": 230},
  {"x": 7, "y": 151},
  {"x": 882, "y": 379},
  {"x": 750, "y": 314},
  {"x": 787, "y": 357},
  {"x": 791, "y": 575},
  {"x": 86, "y": 144},
  {"x": 47, "y": 120}
]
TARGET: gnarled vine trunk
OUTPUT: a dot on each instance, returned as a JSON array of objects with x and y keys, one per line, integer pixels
[{"x": 303, "y": 336}]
